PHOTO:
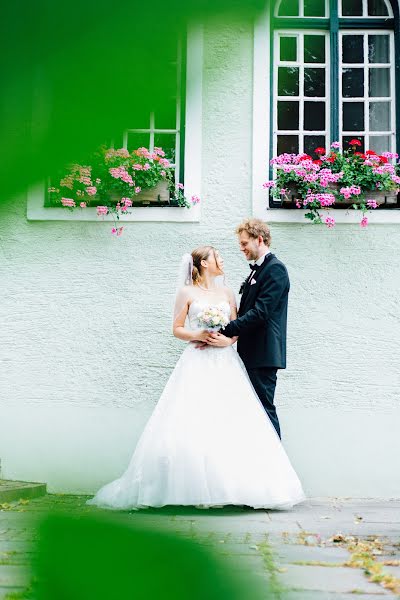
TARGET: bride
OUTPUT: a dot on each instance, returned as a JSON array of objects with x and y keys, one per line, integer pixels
[{"x": 209, "y": 441}]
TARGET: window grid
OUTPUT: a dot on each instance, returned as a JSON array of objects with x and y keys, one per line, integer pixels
[
  {"x": 301, "y": 11},
  {"x": 366, "y": 99},
  {"x": 152, "y": 130},
  {"x": 365, "y": 14},
  {"x": 301, "y": 98}
]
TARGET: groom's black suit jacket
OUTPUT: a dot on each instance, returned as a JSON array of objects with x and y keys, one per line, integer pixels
[{"x": 262, "y": 319}]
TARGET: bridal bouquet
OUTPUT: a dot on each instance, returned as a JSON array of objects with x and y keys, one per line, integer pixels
[{"x": 212, "y": 318}]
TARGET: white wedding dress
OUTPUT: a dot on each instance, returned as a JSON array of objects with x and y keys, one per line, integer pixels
[{"x": 208, "y": 442}]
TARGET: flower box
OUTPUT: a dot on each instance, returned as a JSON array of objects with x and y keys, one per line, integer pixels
[
  {"x": 292, "y": 194},
  {"x": 158, "y": 195},
  {"x": 345, "y": 179}
]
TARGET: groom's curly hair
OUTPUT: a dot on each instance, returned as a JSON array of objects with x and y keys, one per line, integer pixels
[{"x": 254, "y": 228}]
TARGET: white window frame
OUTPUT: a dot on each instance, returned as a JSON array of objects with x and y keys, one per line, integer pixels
[
  {"x": 365, "y": 14},
  {"x": 365, "y": 99},
  {"x": 301, "y": 10},
  {"x": 36, "y": 211},
  {"x": 301, "y": 65},
  {"x": 261, "y": 130}
]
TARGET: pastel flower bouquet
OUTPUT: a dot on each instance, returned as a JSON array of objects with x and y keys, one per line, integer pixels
[
  {"x": 357, "y": 180},
  {"x": 114, "y": 181},
  {"x": 212, "y": 318}
]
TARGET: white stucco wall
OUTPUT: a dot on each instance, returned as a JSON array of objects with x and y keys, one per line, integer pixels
[{"x": 86, "y": 347}]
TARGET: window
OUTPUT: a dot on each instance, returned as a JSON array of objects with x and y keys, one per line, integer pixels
[
  {"x": 165, "y": 127},
  {"x": 333, "y": 75},
  {"x": 181, "y": 112}
]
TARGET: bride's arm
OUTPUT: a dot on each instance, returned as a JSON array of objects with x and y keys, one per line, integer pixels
[{"x": 179, "y": 330}]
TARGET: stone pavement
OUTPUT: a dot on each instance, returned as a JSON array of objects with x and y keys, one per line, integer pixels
[{"x": 322, "y": 549}]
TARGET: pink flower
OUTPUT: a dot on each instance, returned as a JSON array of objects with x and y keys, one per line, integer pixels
[
  {"x": 113, "y": 231},
  {"x": 91, "y": 190},
  {"x": 372, "y": 204},
  {"x": 85, "y": 180},
  {"x": 164, "y": 162},
  {"x": 138, "y": 190},
  {"x": 83, "y": 205},
  {"x": 364, "y": 222},
  {"x": 101, "y": 210},
  {"x": 269, "y": 184},
  {"x": 390, "y": 155},
  {"x": 283, "y": 191},
  {"x": 146, "y": 167},
  {"x": 142, "y": 152},
  {"x": 179, "y": 186},
  {"x": 137, "y": 167},
  {"x": 195, "y": 200},
  {"x": 126, "y": 201},
  {"x": 163, "y": 173},
  {"x": 68, "y": 202},
  {"x": 330, "y": 222},
  {"x": 159, "y": 151},
  {"x": 335, "y": 145}
]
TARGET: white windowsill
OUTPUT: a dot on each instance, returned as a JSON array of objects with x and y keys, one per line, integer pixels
[
  {"x": 193, "y": 150},
  {"x": 37, "y": 212}
]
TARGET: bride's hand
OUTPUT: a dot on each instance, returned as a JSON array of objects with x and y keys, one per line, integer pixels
[
  {"x": 219, "y": 340},
  {"x": 202, "y": 336}
]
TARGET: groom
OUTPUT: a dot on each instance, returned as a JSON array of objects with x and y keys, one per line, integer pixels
[{"x": 262, "y": 318}]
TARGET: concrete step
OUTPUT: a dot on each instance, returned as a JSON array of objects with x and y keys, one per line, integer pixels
[{"x": 11, "y": 491}]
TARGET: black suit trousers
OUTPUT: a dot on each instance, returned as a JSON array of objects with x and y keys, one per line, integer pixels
[{"x": 264, "y": 383}]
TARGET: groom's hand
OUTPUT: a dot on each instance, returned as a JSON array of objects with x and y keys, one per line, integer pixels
[{"x": 218, "y": 340}]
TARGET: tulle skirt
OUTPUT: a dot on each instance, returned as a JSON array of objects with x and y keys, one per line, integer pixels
[{"x": 209, "y": 442}]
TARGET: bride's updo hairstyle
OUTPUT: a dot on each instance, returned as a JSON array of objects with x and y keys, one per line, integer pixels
[{"x": 198, "y": 255}]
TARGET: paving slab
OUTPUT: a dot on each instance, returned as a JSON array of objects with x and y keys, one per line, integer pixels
[
  {"x": 11, "y": 491},
  {"x": 326, "y": 579},
  {"x": 310, "y": 595}
]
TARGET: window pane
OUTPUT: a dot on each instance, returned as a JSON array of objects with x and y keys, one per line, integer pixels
[
  {"x": 314, "y": 116},
  {"x": 167, "y": 142},
  {"x": 288, "y": 49},
  {"x": 314, "y": 8},
  {"x": 353, "y": 83},
  {"x": 288, "y": 143},
  {"x": 347, "y": 138},
  {"x": 138, "y": 140},
  {"x": 288, "y": 81},
  {"x": 314, "y": 48},
  {"x": 353, "y": 116},
  {"x": 378, "y": 49},
  {"x": 288, "y": 115},
  {"x": 379, "y": 83},
  {"x": 311, "y": 142},
  {"x": 353, "y": 49},
  {"x": 377, "y": 8},
  {"x": 379, "y": 143},
  {"x": 314, "y": 82},
  {"x": 379, "y": 116},
  {"x": 165, "y": 117},
  {"x": 352, "y": 8},
  {"x": 289, "y": 8}
]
